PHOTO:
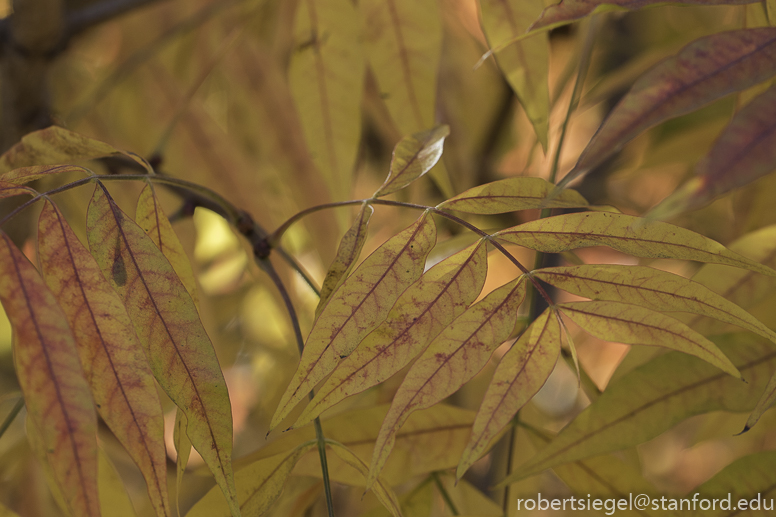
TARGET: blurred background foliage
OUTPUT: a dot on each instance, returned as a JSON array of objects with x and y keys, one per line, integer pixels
[{"x": 207, "y": 90}]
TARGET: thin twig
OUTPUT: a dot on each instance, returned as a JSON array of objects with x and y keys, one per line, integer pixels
[{"x": 445, "y": 495}]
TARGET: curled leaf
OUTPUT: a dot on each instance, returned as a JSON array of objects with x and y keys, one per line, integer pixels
[
  {"x": 358, "y": 306},
  {"x": 512, "y": 194},
  {"x": 413, "y": 156},
  {"x": 420, "y": 313},
  {"x": 625, "y": 233},
  {"x": 452, "y": 359}
]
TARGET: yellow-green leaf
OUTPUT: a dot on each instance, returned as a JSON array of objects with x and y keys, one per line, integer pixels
[
  {"x": 348, "y": 252},
  {"x": 24, "y": 175},
  {"x": 520, "y": 374},
  {"x": 656, "y": 396},
  {"x": 509, "y": 195},
  {"x": 56, "y": 145},
  {"x": 634, "y": 325},
  {"x": 112, "y": 358},
  {"x": 625, "y": 233},
  {"x": 258, "y": 485},
  {"x": 326, "y": 77},
  {"x": 420, "y": 313},
  {"x": 704, "y": 71},
  {"x": 751, "y": 478},
  {"x": 358, "y": 306},
  {"x": 413, "y": 157},
  {"x": 452, "y": 359},
  {"x": 381, "y": 489},
  {"x": 59, "y": 404},
  {"x": 150, "y": 216},
  {"x": 403, "y": 40},
  {"x": 763, "y": 404},
  {"x": 114, "y": 500},
  {"x": 525, "y": 63},
  {"x": 166, "y": 321},
  {"x": 7, "y": 512},
  {"x": 650, "y": 288},
  {"x": 182, "y": 446}
]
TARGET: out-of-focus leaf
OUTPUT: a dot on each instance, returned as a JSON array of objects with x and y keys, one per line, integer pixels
[
  {"x": 524, "y": 63},
  {"x": 114, "y": 500},
  {"x": 24, "y": 175},
  {"x": 744, "y": 152},
  {"x": 770, "y": 7},
  {"x": 413, "y": 156},
  {"x": 166, "y": 321},
  {"x": 57, "y": 397},
  {"x": 150, "y": 216},
  {"x": 763, "y": 404},
  {"x": 452, "y": 359},
  {"x": 705, "y": 70},
  {"x": 650, "y": 288},
  {"x": 380, "y": 488},
  {"x": 567, "y": 11},
  {"x": 55, "y": 145},
  {"x": 347, "y": 255},
  {"x": 656, "y": 396},
  {"x": 752, "y": 478},
  {"x": 358, "y": 306},
  {"x": 634, "y": 325},
  {"x": 7, "y": 512},
  {"x": 112, "y": 358},
  {"x": 625, "y": 233},
  {"x": 420, "y": 313},
  {"x": 182, "y": 446},
  {"x": 326, "y": 77},
  {"x": 509, "y": 195},
  {"x": 258, "y": 485},
  {"x": 403, "y": 40},
  {"x": 521, "y": 373}
]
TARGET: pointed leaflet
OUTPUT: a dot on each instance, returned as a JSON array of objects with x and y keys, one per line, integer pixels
[
  {"x": 326, "y": 77},
  {"x": 567, "y": 11},
  {"x": 420, "y": 313},
  {"x": 745, "y": 151},
  {"x": 625, "y": 233},
  {"x": 55, "y": 145},
  {"x": 704, "y": 71},
  {"x": 752, "y": 477},
  {"x": 431, "y": 439},
  {"x": 634, "y": 325},
  {"x": 113, "y": 361},
  {"x": 358, "y": 306},
  {"x": 763, "y": 404},
  {"x": 59, "y": 405},
  {"x": 381, "y": 489},
  {"x": 347, "y": 254},
  {"x": 258, "y": 485},
  {"x": 524, "y": 63},
  {"x": 166, "y": 321},
  {"x": 451, "y": 360},
  {"x": 152, "y": 219},
  {"x": 403, "y": 40},
  {"x": 512, "y": 194},
  {"x": 650, "y": 288},
  {"x": 656, "y": 396},
  {"x": 413, "y": 156},
  {"x": 520, "y": 374}
]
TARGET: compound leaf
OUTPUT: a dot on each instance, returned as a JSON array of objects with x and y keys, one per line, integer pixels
[
  {"x": 420, "y": 313},
  {"x": 179, "y": 350},
  {"x": 628, "y": 234},
  {"x": 112, "y": 358},
  {"x": 358, "y": 306},
  {"x": 520, "y": 374},
  {"x": 452, "y": 359}
]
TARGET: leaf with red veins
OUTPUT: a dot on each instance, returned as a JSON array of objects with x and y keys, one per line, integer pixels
[
  {"x": 451, "y": 360},
  {"x": 422, "y": 312},
  {"x": 112, "y": 358},
  {"x": 57, "y": 396},
  {"x": 519, "y": 376},
  {"x": 24, "y": 175},
  {"x": 359, "y": 305},
  {"x": 179, "y": 350}
]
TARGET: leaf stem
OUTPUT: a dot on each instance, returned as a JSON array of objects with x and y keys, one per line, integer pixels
[
  {"x": 445, "y": 495},
  {"x": 11, "y": 416}
]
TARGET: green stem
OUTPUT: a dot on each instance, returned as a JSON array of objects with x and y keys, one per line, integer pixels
[
  {"x": 445, "y": 495},
  {"x": 11, "y": 416}
]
